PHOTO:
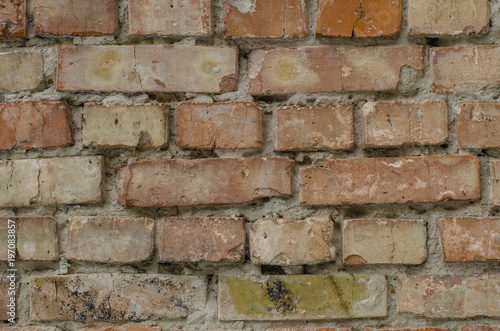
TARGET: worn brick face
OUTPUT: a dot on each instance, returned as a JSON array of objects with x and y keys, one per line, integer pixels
[
  {"x": 478, "y": 125},
  {"x": 201, "y": 239},
  {"x": 404, "y": 123},
  {"x": 391, "y": 180},
  {"x": 18, "y": 182},
  {"x": 37, "y": 238},
  {"x": 219, "y": 125},
  {"x": 20, "y": 71},
  {"x": 164, "y": 183},
  {"x": 311, "y": 128},
  {"x": 13, "y": 19},
  {"x": 494, "y": 182},
  {"x": 384, "y": 241},
  {"x": 330, "y": 69}
]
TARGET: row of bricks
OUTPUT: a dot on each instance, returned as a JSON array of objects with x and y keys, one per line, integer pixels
[
  {"x": 207, "y": 69},
  {"x": 271, "y": 241},
  {"x": 151, "y": 328},
  {"x": 126, "y": 297},
  {"x": 248, "y": 19},
  {"x": 238, "y": 125}
]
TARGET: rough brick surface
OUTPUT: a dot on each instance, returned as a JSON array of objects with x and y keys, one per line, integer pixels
[
  {"x": 18, "y": 182},
  {"x": 330, "y": 69},
  {"x": 404, "y": 123},
  {"x": 201, "y": 239},
  {"x": 494, "y": 182},
  {"x": 110, "y": 239},
  {"x": 121, "y": 328},
  {"x": 13, "y": 19},
  {"x": 311, "y": 128},
  {"x": 35, "y": 124},
  {"x": 115, "y": 297},
  {"x": 153, "y": 68},
  {"x": 278, "y": 241},
  {"x": 20, "y": 71},
  {"x": 219, "y": 125},
  {"x": 164, "y": 183},
  {"x": 37, "y": 238},
  {"x": 447, "y": 17},
  {"x": 306, "y": 297},
  {"x": 171, "y": 17},
  {"x": 449, "y": 296},
  {"x": 125, "y": 125},
  {"x": 464, "y": 69},
  {"x": 264, "y": 19},
  {"x": 5, "y": 288},
  {"x": 377, "y": 241},
  {"x": 76, "y": 17},
  {"x": 29, "y": 328},
  {"x": 391, "y": 180},
  {"x": 470, "y": 239},
  {"x": 478, "y": 125},
  {"x": 359, "y": 19}
]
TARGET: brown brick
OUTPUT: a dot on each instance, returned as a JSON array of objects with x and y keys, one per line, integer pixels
[
  {"x": 263, "y": 19},
  {"x": 478, "y": 125},
  {"x": 167, "y": 183},
  {"x": 359, "y": 19},
  {"x": 479, "y": 328},
  {"x": 20, "y": 71},
  {"x": 201, "y": 239},
  {"x": 18, "y": 182},
  {"x": 391, "y": 180},
  {"x": 384, "y": 241},
  {"x": 470, "y": 239},
  {"x": 125, "y": 125},
  {"x": 494, "y": 182},
  {"x": 37, "y": 238},
  {"x": 13, "y": 19},
  {"x": 153, "y": 68},
  {"x": 447, "y": 17},
  {"x": 120, "y": 328},
  {"x": 110, "y": 239},
  {"x": 404, "y": 123},
  {"x": 116, "y": 297},
  {"x": 464, "y": 69},
  {"x": 219, "y": 125},
  {"x": 286, "y": 241},
  {"x": 171, "y": 17},
  {"x": 330, "y": 69},
  {"x": 314, "y": 128},
  {"x": 35, "y": 124},
  {"x": 76, "y": 17},
  {"x": 449, "y": 296},
  {"x": 6, "y": 293}
]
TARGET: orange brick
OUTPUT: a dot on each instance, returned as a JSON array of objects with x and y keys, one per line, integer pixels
[{"x": 478, "y": 125}]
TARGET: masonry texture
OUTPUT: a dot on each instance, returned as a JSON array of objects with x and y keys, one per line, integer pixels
[{"x": 278, "y": 165}]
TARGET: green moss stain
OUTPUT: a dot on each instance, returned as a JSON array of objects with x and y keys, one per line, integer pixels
[
  {"x": 339, "y": 289},
  {"x": 286, "y": 70},
  {"x": 361, "y": 291},
  {"x": 312, "y": 294},
  {"x": 106, "y": 64},
  {"x": 249, "y": 298}
]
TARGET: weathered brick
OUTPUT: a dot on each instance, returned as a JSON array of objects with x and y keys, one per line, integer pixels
[
  {"x": 470, "y": 239},
  {"x": 37, "y": 238},
  {"x": 312, "y": 128},
  {"x": 318, "y": 329},
  {"x": 447, "y": 17},
  {"x": 449, "y": 296},
  {"x": 201, "y": 239},
  {"x": 222, "y": 181},
  {"x": 304, "y": 297},
  {"x": 35, "y": 124},
  {"x": 153, "y": 68},
  {"x": 478, "y": 125},
  {"x": 278, "y": 241},
  {"x": 20, "y": 71},
  {"x": 76, "y": 17},
  {"x": 479, "y": 328},
  {"x": 391, "y": 180},
  {"x": 378, "y": 241},
  {"x": 404, "y": 123},
  {"x": 125, "y": 125},
  {"x": 408, "y": 329},
  {"x": 359, "y": 19},
  {"x": 120, "y": 328},
  {"x": 5, "y": 295},
  {"x": 171, "y": 17},
  {"x": 330, "y": 69},
  {"x": 264, "y": 19},
  {"x": 30, "y": 328},
  {"x": 219, "y": 125},
  {"x": 110, "y": 239},
  {"x": 115, "y": 297},
  {"x": 13, "y": 19},
  {"x": 464, "y": 69},
  {"x": 494, "y": 182},
  {"x": 18, "y": 182}
]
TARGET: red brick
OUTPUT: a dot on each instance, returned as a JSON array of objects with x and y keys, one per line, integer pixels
[
  {"x": 391, "y": 180},
  {"x": 404, "y": 123},
  {"x": 264, "y": 19},
  {"x": 35, "y": 124},
  {"x": 76, "y": 17},
  {"x": 313, "y": 128},
  {"x": 464, "y": 69},
  {"x": 219, "y": 125},
  {"x": 359, "y": 19},
  {"x": 168, "y": 183},
  {"x": 330, "y": 69},
  {"x": 478, "y": 125},
  {"x": 494, "y": 182},
  {"x": 21, "y": 70},
  {"x": 201, "y": 239},
  {"x": 170, "y": 17},
  {"x": 152, "y": 68},
  {"x": 13, "y": 19}
]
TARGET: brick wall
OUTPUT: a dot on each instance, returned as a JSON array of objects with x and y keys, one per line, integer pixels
[{"x": 251, "y": 164}]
